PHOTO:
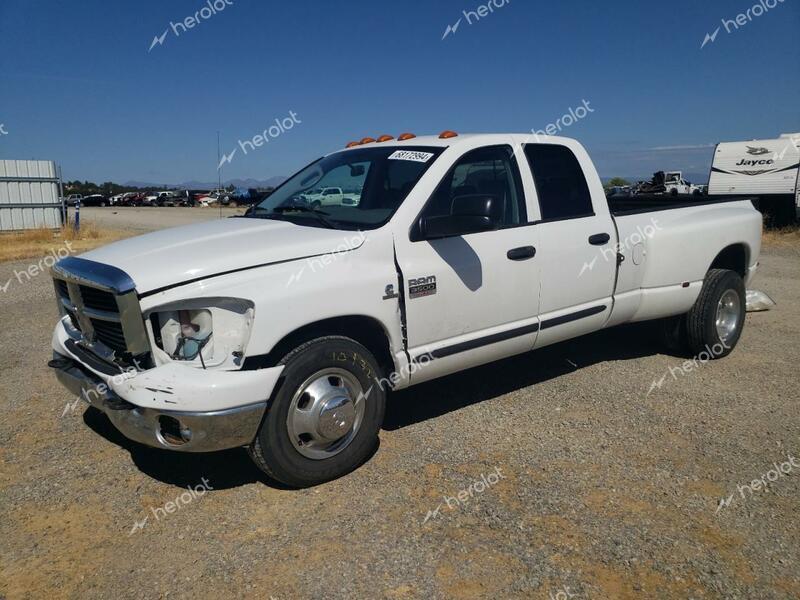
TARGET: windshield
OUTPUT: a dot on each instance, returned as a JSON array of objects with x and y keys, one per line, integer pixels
[{"x": 356, "y": 189}]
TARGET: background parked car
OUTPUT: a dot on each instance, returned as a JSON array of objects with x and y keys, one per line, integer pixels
[
  {"x": 72, "y": 199},
  {"x": 166, "y": 199},
  {"x": 132, "y": 199},
  {"x": 95, "y": 200}
]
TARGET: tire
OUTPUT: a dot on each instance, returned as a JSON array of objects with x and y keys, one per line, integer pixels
[
  {"x": 674, "y": 192},
  {"x": 311, "y": 373},
  {"x": 102, "y": 204},
  {"x": 715, "y": 322}
]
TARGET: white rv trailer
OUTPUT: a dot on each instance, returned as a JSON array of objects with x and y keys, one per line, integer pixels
[{"x": 766, "y": 170}]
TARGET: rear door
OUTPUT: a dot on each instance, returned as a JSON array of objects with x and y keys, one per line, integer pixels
[
  {"x": 472, "y": 298},
  {"x": 577, "y": 242}
]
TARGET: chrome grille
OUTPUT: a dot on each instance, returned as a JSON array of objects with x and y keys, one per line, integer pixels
[
  {"x": 98, "y": 299},
  {"x": 110, "y": 334},
  {"x": 102, "y": 305}
]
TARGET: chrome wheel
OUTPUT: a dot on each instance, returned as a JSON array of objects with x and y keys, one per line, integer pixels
[
  {"x": 325, "y": 413},
  {"x": 729, "y": 313}
]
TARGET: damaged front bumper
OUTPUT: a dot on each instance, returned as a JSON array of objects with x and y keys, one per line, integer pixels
[{"x": 175, "y": 407}]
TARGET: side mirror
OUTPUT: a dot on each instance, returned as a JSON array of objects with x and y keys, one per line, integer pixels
[
  {"x": 250, "y": 210},
  {"x": 470, "y": 213}
]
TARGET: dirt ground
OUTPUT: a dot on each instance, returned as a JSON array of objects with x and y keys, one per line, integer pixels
[
  {"x": 599, "y": 468},
  {"x": 147, "y": 218}
]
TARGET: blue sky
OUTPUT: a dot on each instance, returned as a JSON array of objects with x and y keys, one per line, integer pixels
[{"x": 79, "y": 85}]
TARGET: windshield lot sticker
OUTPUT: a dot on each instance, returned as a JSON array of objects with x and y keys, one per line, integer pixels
[
  {"x": 422, "y": 286},
  {"x": 411, "y": 155}
]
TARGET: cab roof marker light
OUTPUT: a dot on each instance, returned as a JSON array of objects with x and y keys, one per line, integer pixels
[
  {"x": 447, "y": 134},
  {"x": 352, "y": 144},
  {"x": 367, "y": 140},
  {"x": 405, "y": 136},
  {"x": 385, "y": 138}
]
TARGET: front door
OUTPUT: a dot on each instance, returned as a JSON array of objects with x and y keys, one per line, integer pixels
[{"x": 472, "y": 299}]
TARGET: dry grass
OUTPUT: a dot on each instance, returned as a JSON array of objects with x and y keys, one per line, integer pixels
[
  {"x": 39, "y": 242},
  {"x": 783, "y": 237}
]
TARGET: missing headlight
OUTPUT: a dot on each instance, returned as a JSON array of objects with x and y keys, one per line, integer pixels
[
  {"x": 186, "y": 334},
  {"x": 208, "y": 332}
]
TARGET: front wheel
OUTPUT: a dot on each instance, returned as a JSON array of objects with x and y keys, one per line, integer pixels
[
  {"x": 323, "y": 420},
  {"x": 715, "y": 322}
]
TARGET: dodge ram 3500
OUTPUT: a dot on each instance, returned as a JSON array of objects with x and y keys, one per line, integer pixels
[{"x": 285, "y": 329}]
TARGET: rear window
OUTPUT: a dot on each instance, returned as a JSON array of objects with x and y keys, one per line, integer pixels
[{"x": 560, "y": 183}]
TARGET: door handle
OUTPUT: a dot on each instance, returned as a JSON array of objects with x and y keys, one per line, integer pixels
[
  {"x": 521, "y": 253},
  {"x": 598, "y": 239}
]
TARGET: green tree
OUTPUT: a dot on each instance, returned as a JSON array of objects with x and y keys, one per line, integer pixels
[{"x": 617, "y": 181}]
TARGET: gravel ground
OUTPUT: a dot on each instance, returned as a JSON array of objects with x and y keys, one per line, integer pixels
[{"x": 575, "y": 480}]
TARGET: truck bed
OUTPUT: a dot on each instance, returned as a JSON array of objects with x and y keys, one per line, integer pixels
[{"x": 642, "y": 203}]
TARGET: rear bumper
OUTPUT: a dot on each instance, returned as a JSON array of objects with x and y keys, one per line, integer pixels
[{"x": 195, "y": 431}]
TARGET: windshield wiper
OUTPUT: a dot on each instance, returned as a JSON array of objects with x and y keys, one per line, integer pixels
[{"x": 319, "y": 214}]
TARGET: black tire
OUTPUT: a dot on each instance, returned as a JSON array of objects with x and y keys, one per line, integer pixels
[
  {"x": 674, "y": 192},
  {"x": 702, "y": 334},
  {"x": 274, "y": 452}
]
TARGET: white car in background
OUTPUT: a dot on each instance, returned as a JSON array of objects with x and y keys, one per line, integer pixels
[
  {"x": 676, "y": 185},
  {"x": 329, "y": 196}
]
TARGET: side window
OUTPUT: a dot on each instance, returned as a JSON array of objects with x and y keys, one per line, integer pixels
[
  {"x": 560, "y": 183},
  {"x": 490, "y": 171}
]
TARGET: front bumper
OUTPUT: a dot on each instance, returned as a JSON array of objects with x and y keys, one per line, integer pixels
[{"x": 187, "y": 431}]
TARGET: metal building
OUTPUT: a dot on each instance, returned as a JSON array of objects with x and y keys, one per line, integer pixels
[{"x": 29, "y": 195}]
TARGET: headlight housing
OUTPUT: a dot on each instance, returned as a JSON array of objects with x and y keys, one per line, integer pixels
[{"x": 204, "y": 332}]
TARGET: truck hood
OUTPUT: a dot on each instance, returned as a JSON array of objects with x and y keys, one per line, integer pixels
[{"x": 170, "y": 257}]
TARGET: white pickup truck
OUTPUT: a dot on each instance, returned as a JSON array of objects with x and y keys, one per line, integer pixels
[
  {"x": 284, "y": 330},
  {"x": 330, "y": 196}
]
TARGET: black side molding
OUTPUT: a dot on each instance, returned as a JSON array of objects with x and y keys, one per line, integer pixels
[
  {"x": 581, "y": 314},
  {"x": 506, "y": 335}
]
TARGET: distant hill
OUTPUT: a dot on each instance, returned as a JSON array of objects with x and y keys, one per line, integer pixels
[{"x": 208, "y": 185}]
